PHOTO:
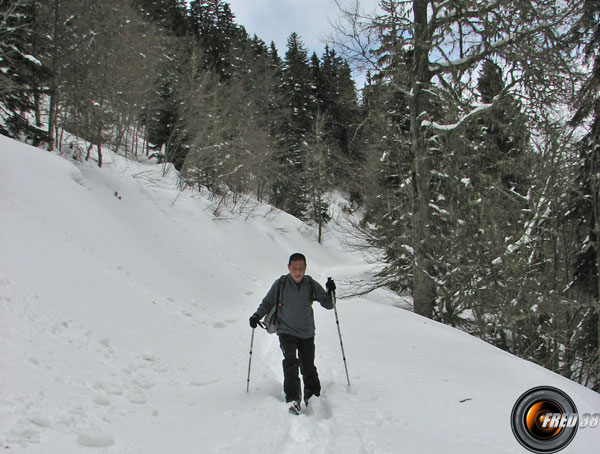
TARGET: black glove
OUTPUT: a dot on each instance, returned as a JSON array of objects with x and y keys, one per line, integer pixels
[
  {"x": 330, "y": 285},
  {"x": 254, "y": 320}
]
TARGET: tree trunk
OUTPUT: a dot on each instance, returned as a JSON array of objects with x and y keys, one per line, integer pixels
[
  {"x": 423, "y": 285},
  {"x": 53, "y": 107},
  {"x": 36, "y": 89},
  {"x": 121, "y": 130},
  {"x": 595, "y": 185},
  {"x": 320, "y": 239},
  {"x": 99, "y": 146},
  {"x": 52, "y": 111}
]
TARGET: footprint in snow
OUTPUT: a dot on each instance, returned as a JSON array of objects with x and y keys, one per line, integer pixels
[
  {"x": 95, "y": 438},
  {"x": 111, "y": 388},
  {"x": 137, "y": 398},
  {"x": 22, "y": 436},
  {"x": 149, "y": 356},
  {"x": 104, "y": 341},
  {"x": 101, "y": 400},
  {"x": 27, "y": 431}
]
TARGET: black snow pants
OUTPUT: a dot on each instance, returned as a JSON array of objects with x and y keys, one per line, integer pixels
[{"x": 305, "y": 359}]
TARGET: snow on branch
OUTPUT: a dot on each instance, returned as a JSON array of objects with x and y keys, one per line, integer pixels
[
  {"x": 541, "y": 212},
  {"x": 450, "y": 127}
]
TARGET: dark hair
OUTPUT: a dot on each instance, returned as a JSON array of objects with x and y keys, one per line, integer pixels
[{"x": 297, "y": 257}]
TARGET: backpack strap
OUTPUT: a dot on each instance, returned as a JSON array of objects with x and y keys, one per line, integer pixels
[
  {"x": 311, "y": 281},
  {"x": 280, "y": 285}
]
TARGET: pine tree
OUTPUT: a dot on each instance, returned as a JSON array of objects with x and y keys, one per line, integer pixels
[
  {"x": 218, "y": 36},
  {"x": 336, "y": 99},
  {"x": 21, "y": 72},
  {"x": 162, "y": 114},
  {"x": 584, "y": 204},
  {"x": 387, "y": 166},
  {"x": 319, "y": 160},
  {"x": 587, "y": 200},
  {"x": 289, "y": 187},
  {"x": 170, "y": 15},
  {"x": 487, "y": 177},
  {"x": 504, "y": 131},
  {"x": 297, "y": 86}
]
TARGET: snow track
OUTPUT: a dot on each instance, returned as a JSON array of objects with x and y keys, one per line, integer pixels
[{"x": 124, "y": 310}]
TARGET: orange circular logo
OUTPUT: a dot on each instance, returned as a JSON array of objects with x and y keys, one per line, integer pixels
[{"x": 544, "y": 420}]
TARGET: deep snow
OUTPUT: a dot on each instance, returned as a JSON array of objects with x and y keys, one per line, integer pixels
[{"x": 123, "y": 329}]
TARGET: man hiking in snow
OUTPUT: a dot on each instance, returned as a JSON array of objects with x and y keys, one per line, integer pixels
[{"x": 296, "y": 327}]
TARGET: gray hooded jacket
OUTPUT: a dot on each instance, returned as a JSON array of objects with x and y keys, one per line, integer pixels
[{"x": 295, "y": 315}]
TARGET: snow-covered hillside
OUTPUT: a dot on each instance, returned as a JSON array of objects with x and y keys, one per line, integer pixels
[{"x": 124, "y": 312}]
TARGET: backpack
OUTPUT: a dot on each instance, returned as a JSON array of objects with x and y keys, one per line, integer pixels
[{"x": 271, "y": 323}]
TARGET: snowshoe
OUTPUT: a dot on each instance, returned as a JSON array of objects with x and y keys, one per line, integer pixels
[{"x": 295, "y": 407}]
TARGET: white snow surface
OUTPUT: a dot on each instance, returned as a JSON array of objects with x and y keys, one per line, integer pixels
[{"x": 124, "y": 312}]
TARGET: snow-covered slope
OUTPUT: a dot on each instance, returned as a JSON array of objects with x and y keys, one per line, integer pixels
[{"x": 123, "y": 326}]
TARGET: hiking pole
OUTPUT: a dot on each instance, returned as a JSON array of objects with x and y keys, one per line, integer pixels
[
  {"x": 250, "y": 360},
  {"x": 337, "y": 321}
]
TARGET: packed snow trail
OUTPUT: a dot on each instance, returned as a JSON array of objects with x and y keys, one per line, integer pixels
[{"x": 124, "y": 308}]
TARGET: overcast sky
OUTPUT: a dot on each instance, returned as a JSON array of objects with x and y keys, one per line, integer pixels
[{"x": 275, "y": 20}]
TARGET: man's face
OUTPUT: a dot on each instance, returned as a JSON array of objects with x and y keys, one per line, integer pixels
[{"x": 297, "y": 269}]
